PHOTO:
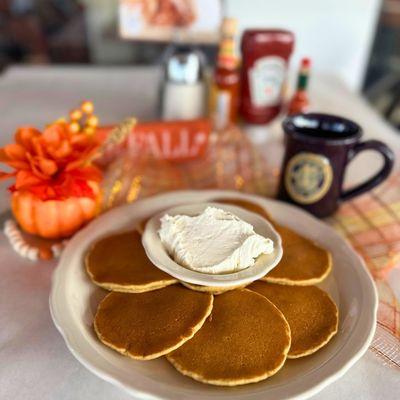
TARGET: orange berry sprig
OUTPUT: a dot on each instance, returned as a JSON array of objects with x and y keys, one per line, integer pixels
[{"x": 83, "y": 119}]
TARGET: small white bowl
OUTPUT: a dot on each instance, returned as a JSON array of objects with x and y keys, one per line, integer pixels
[{"x": 160, "y": 257}]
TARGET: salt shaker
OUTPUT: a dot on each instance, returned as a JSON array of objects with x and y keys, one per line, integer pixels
[{"x": 183, "y": 89}]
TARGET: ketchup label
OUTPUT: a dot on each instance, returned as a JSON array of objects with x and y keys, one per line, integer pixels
[{"x": 266, "y": 78}]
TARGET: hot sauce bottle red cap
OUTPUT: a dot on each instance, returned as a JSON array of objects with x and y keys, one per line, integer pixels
[
  {"x": 305, "y": 62},
  {"x": 266, "y": 54},
  {"x": 300, "y": 102}
]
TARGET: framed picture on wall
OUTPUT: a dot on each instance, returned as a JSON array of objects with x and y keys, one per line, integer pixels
[{"x": 191, "y": 21}]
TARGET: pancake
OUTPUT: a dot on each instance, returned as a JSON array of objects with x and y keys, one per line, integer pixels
[
  {"x": 210, "y": 289},
  {"x": 247, "y": 205},
  {"x": 288, "y": 236},
  {"x": 310, "y": 312},
  {"x": 119, "y": 263},
  {"x": 246, "y": 339},
  {"x": 303, "y": 262},
  {"x": 148, "y": 325}
]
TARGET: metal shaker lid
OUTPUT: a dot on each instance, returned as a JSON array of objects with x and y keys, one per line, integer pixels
[{"x": 185, "y": 66}]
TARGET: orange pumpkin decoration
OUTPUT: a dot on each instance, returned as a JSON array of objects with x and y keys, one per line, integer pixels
[
  {"x": 56, "y": 188},
  {"x": 53, "y": 218}
]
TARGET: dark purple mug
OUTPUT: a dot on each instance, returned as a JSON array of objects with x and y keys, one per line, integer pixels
[{"x": 318, "y": 149}]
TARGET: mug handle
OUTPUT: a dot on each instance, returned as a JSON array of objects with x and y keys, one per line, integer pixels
[{"x": 381, "y": 175}]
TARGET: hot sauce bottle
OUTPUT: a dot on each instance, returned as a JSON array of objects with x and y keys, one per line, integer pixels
[
  {"x": 225, "y": 87},
  {"x": 300, "y": 101},
  {"x": 266, "y": 54}
]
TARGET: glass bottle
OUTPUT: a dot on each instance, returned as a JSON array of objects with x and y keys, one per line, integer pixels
[
  {"x": 225, "y": 86},
  {"x": 300, "y": 101}
]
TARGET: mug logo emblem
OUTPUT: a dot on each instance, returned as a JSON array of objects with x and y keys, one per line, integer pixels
[{"x": 308, "y": 177}]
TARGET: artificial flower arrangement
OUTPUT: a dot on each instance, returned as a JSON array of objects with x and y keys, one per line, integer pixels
[{"x": 56, "y": 188}]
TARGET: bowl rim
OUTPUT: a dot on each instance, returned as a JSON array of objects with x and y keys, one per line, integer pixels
[{"x": 160, "y": 257}]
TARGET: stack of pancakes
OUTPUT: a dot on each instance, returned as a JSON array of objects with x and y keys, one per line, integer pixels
[{"x": 221, "y": 336}]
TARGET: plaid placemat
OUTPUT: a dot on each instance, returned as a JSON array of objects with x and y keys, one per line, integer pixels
[{"x": 372, "y": 225}]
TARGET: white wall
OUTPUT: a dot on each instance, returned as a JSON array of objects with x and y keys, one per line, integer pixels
[
  {"x": 102, "y": 17},
  {"x": 336, "y": 34}
]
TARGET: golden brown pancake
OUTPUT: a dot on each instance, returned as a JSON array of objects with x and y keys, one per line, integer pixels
[
  {"x": 148, "y": 325},
  {"x": 119, "y": 263},
  {"x": 247, "y": 205},
  {"x": 246, "y": 339},
  {"x": 215, "y": 290},
  {"x": 287, "y": 235},
  {"x": 303, "y": 262},
  {"x": 310, "y": 312}
]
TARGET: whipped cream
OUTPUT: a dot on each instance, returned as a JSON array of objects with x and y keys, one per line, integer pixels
[{"x": 214, "y": 242}]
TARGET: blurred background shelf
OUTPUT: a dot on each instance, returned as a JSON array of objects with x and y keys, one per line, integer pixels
[{"x": 358, "y": 41}]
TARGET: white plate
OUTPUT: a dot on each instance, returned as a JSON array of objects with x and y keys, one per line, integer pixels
[
  {"x": 160, "y": 257},
  {"x": 73, "y": 302}
]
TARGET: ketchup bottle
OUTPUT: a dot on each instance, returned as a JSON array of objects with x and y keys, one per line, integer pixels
[{"x": 266, "y": 54}]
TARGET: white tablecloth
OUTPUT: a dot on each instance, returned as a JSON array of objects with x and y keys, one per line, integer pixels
[{"x": 34, "y": 361}]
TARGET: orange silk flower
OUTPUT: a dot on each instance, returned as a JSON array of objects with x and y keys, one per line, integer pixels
[{"x": 52, "y": 165}]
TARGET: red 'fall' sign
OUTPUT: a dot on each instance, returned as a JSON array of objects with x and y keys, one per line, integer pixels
[{"x": 169, "y": 140}]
